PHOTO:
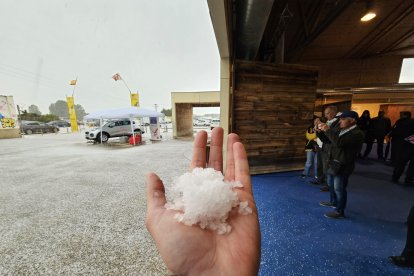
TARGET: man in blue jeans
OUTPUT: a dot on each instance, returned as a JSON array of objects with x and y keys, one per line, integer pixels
[{"x": 345, "y": 145}]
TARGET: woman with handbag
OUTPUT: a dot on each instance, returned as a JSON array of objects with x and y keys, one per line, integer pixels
[{"x": 311, "y": 149}]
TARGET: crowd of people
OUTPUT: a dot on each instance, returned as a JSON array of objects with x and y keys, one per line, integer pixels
[
  {"x": 323, "y": 153},
  {"x": 334, "y": 142},
  {"x": 396, "y": 137}
]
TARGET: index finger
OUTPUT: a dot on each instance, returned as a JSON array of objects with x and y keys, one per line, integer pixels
[
  {"x": 216, "y": 149},
  {"x": 199, "y": 150}
]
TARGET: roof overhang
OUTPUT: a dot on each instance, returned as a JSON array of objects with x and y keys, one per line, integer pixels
[{"x": 218, "y": 14}]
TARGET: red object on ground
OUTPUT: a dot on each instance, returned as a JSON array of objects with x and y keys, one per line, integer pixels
[{"x": 137, "y": 139}]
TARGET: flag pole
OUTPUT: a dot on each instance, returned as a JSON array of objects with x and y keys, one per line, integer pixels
[
  {"x": 117, "y": 77},
  {"x": 76, "y": 82},
  {"x": 126, "y": 86}
]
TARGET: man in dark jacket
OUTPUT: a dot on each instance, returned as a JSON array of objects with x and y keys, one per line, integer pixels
[
  {"x": 398, "y": 134},
  {"x": 404, "y": 129},
  {"x": 406, "y": 259},
  {"x": 380, "y": 126},
  {"x": 344, "y": 148},
  {"x": 331, "y": 115}
]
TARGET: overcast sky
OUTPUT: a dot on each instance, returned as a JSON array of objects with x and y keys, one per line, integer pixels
[
  {"x": 157, "y": 46},
  {"x": 407, "y": 71}
]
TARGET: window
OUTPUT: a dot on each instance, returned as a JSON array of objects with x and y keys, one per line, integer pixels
[{"x": 407, "y": 71}]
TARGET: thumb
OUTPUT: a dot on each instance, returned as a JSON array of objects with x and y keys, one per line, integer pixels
[{"x": 155, "y": 193}]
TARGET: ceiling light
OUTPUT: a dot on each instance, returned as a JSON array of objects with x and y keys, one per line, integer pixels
[{"x": 368, "y": 16}]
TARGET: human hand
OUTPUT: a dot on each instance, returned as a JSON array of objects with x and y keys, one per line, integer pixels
[
  {"x": 190, "y": 250},
  {"x": 317, "y": 121},
  {"x": 323, "y": 127}
]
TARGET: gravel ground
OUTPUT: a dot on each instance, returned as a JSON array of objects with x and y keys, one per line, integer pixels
[{"x": 68, "y": 207}]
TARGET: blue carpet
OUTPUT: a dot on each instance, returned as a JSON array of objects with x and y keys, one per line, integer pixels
[{"x": 298, "y": 240}]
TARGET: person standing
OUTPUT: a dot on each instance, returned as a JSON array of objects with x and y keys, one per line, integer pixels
[
  {"x": 406, "y": 259},
  {"x": 311, "y": 149},
  {"x": 380, "y": 126},
  {"x": 398, "y": 133},
  {"x": 341, "y": 160},
  {"x": 403, "y": 134},
  {"x": 321, "y": 176},
  {"x": 331, "y": 115},
  {"x": 364, "y": 123}
]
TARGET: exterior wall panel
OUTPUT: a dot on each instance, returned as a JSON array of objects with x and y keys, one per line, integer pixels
[{"x": 272, "y": 107}]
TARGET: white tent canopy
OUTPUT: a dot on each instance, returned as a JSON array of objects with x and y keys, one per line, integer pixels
[{"x": 122, "y": 113}]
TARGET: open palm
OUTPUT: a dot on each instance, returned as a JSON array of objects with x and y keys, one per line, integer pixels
[{"x": 192, "y": 250}]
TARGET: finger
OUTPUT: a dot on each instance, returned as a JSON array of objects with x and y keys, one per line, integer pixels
[
  {"x": 199, "y": 150},
  {"x": 231, "y": 139},
  {"x": 216, "y": 149},
  {"x": 155, "y": 192},
  {"x": 241, "y": 166}
]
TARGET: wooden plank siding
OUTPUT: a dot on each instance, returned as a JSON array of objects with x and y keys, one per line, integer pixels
[{"x": 272, "y": 107}]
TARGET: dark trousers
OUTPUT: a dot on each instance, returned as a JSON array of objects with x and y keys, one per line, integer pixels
[
  {"x": 395, "y": 144},
  {"x": 321, "y": 173},
  {"x": 380, "y": 145},
  {"x": 408, "y": 251},
  {"x": 404, "y": 155},
  {"x": 324, "y": 156},
  {"x": 387, "y": 150}
]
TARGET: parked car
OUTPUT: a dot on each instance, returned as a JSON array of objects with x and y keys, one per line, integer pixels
[
  {"x": 214, "y": 123},
  {"x": 201, "y": 123},
  {"x": 115, "y": 128},
  {"x": 165, "y": 122},
  {"x": 60, "y": 123},
  {"x": 30, "y": 127}
]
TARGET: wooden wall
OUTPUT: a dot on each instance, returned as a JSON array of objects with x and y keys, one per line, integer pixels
[
  {"x": 384, "y": 97},
  {"x": 356, "y": 72},
  {"x": 272, "y": 107},
  {"x": 393, "y": 110},
  {"x": 341, "y": 101}
]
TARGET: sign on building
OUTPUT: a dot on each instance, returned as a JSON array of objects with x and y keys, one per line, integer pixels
[{"x": 8, "y": 114}]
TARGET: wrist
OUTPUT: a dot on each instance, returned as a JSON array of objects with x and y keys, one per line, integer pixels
[{"x": 241, "y": 271}]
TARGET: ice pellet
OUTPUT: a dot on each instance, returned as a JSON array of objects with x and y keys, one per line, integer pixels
[{"x": 203, "y": 198}]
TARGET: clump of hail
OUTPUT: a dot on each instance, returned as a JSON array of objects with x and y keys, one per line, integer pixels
[{"x": 203, "y": 198}]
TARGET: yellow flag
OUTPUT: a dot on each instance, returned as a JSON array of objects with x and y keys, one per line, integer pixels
[
  {"x": 73, "y": 82},
  {"x": 135, "y": 99},
  {"x": 72, "y": 114}
]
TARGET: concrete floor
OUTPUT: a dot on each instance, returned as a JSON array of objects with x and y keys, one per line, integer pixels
[{"x": 70, "y": 207}]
